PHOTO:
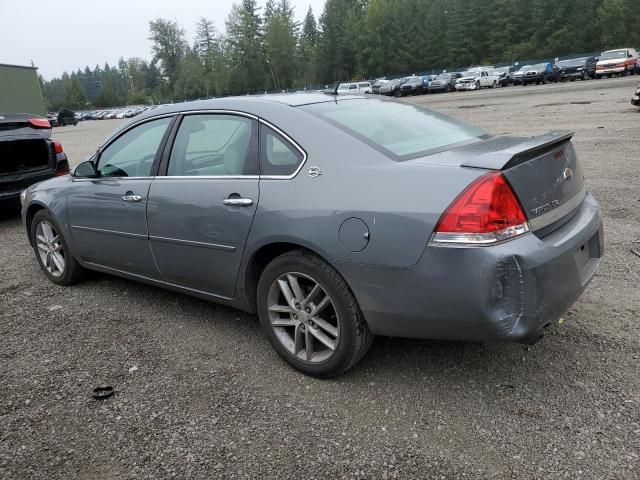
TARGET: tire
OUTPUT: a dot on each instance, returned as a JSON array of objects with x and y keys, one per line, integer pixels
[
  {"x": 495, "y": 84},
  {"x": 344, "y": 327},
  {"x": 478, "y": 86},
  {"x": 41, "y": 238},
  {"x": 61, "y": 123},
  {"x": 397, "y": 93}
]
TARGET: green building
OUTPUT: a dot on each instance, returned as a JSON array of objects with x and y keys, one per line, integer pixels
[{"x": 20, "y": 90}]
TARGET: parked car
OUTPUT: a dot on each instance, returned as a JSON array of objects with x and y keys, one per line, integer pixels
[
  {"x": 438, "y": 231},
  {"x": 505, "y": 75},
  {"x": 617, "y": 62},
  {"x": 27, "y": 153},
  {"x": 412, "y": 85},
  {"x": 53, "y": 119},
  {"x": 354, "y": 88},
  {"x": 67, "y": 117},
  {"x": 426, "y": 81},
  {"x": 375, "y": 88},
  {"x": 635, "y": 98},
  {"x": 518, "y": 75},
  {"x": 542, "y": 73},
  {"x": 445, "y": 82},
  {"x": 476, "y": 79},
  {"x": 391, "y": 87},
  {"x": 582, "y": 68}
]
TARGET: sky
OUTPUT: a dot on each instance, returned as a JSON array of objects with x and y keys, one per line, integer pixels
[{"x": 65, "y": 35}]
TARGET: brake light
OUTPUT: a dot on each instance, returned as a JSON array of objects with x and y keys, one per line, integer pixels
[
  {"x": 40, "y": 122},
  {"x": 57, "y": 147},
  {"x": 62, "y": 172},
  {"x": 486, "y": 212}
]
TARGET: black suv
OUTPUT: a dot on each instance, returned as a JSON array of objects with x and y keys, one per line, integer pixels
[
  {"x": 445, "y": 82},
  {"x": 411, "y": 86},
  {"x": 67, "y": 117},
  {"x": 581, "y": 68}
]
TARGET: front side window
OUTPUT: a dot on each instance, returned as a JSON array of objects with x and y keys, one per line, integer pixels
[
  {"x": 212, "y": 145},
  {"x": 277, "y": 155},
  {"x": 399, "y": 130},
  {"x": 132, "y": 154}
]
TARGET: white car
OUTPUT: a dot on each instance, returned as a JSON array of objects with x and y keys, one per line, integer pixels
[
  {"x": 476, "y": 79},
  {"x": 355, "y": 88},
  {"x": 617, "y": 62}
]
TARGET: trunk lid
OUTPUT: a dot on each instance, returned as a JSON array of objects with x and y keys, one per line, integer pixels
[{"x": 543, "y": 171}]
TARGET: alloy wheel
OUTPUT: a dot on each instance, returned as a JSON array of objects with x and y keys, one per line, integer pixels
[
  {"x": 303, "y": 317},
  {"x": 50, "y": 248}
]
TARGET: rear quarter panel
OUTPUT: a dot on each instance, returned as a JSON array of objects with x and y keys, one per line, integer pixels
[{"x": 400, "y": 202}]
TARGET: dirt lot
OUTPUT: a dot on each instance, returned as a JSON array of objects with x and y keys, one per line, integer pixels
[{"x": 200, "y": 394}]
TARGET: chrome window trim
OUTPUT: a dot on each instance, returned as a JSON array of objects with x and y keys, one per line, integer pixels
[
  {"x": 223, "y": 112},
  {"x": 119, "y": 133},
  {"x": 103, "y": 179},
  {"x": 207, "y": 177}
]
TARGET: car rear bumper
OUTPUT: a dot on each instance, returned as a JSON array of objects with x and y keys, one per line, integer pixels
[
  {"x": 606, "y": 71},
  {"x": 509, "y": 291}
]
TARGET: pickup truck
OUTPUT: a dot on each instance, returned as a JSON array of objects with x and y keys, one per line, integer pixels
[
  {"x": 617, "y": 62},
  {"x": 476, "y": 79}
]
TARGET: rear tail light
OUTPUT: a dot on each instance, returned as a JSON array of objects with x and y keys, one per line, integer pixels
[
  {"x": 485, "y": 213},
  {"x": 63, "y": 164},
  {"x": 39, "y": 123}
]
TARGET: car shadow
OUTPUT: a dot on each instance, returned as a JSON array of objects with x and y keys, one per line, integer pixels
[{"x": 9, "y": 210}]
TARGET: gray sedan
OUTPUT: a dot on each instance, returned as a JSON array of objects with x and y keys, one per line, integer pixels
[{"x": 334, "y": 219}]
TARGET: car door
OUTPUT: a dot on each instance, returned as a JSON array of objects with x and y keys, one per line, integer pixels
[
  {"x": 108, "y": 213},
  {"x": 200, "y": 212}
]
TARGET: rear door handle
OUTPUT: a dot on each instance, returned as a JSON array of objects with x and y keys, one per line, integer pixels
[
  {"x": 238, "y": 202},
  {"x": 131, "y": 197}
]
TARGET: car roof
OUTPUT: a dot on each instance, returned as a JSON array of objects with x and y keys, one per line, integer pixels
[{"x": 259, "y": 105}]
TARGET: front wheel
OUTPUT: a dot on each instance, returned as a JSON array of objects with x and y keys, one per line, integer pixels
[
  {"x": 397, "y": 93},
  {"x": 310, "y": 316},
  {"x": 52, "y": 250}
]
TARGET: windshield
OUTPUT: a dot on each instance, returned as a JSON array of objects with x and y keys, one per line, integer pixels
[
  {"x": 576, "y": 62},
  {"x": 343, "y": 86},
  {"x": 444, "y": 76},
  {"x": 400, "y": 131},
  {"x": 613, "y": 54}
]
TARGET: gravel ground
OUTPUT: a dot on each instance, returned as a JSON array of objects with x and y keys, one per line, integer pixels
[{"x": 200, "y": 394}]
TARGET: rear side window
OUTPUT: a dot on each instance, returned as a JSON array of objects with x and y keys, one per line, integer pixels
[
  {"x": 400, "y": 131},
  {"x": 277, "y": 155},
  {"x": 212, "y": 145}
]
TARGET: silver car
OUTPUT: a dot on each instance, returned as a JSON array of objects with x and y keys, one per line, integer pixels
[{"x": 334, "y": 218}]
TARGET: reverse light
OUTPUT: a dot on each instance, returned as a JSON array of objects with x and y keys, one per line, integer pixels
[
  {"x": 39, "y": 122},
  {"x": 485, "y": 213}
]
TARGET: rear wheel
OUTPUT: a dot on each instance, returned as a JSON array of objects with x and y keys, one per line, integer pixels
[
  {"x": 495, "y": 84},
  {"x": 310, "y": 316},
  {"x": 397, "y": 93},
  {"x": 52, "y": 251}
]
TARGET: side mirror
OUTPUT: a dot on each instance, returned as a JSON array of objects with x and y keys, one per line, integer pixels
[{"x": 86, "y": 169}]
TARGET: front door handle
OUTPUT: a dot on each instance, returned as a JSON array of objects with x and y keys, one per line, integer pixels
[
  {"x": 131, "y": 197},
  {"x": 238, "y": 202}
]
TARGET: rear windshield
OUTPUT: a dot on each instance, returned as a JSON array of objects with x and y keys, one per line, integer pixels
[
  {"x": 398, "y": 130},
  {"x": 613, "y": 54}
]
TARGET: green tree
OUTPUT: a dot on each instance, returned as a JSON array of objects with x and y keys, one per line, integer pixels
[
  {"x": 168, "y": 47},
  {"x": 244, "y": 48},
  {"x": 280, "y": 41}
]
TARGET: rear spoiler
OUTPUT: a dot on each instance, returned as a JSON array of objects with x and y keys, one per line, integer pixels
[{"x": 519, "y": 153}]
